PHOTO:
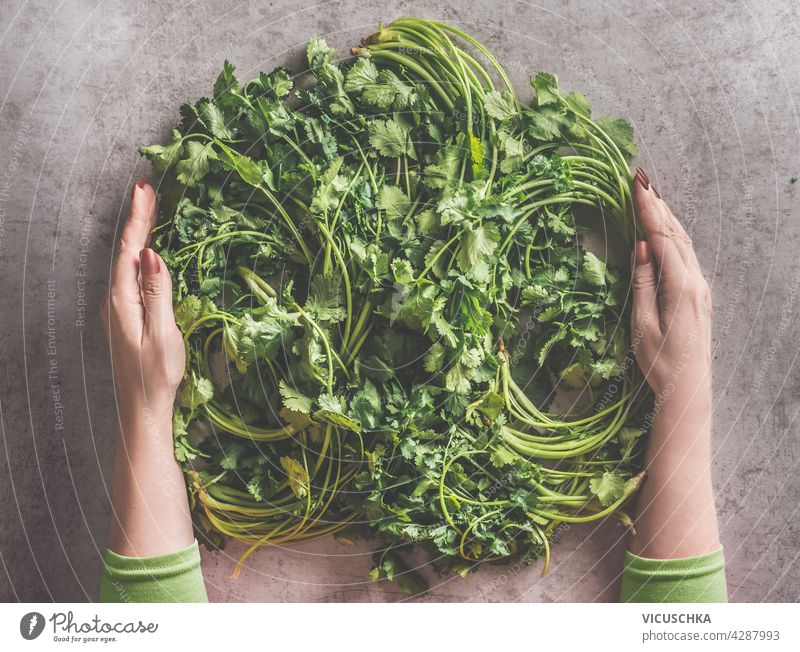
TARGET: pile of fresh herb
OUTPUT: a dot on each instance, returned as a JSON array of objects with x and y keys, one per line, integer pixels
[{"x": 382, "y": 293}]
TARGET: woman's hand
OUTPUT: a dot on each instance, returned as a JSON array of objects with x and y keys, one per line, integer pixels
[
  {"x": 671, "y": 326},
  {"x": 147, "y": 352},
  {"x": 671, "y": 320},
  {"x": 151, "y": 509}
]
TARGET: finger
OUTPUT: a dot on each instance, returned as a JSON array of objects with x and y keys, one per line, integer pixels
[
  {"x": 142, "y": 217},
  {"x": 683, "y": 241},
  {"x": 124, "y": 275},
  {"x": 653, "y": 219},
  {"x": 645, "y": 314},
  {"x": 157, "y": 296},
  {"x": 677, "y": 233},
  {"x": 658, "y": 230}
]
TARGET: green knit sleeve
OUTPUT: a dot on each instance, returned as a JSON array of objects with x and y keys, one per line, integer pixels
[
  {"x": 692, "y": 579},
  {"x": 175, "y": 577}
]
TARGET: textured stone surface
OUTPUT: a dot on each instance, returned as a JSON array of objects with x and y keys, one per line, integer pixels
[{"x": 82, "y": 83}]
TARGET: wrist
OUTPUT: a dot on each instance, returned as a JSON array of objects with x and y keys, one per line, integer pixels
[
  {"x": 694, "y": 401},
  {"x": 687, "y": 419},
  {"x": 142, "y": 412},
  {"x": 684, "y": 390},
  {"x": 144, "y": 426}
]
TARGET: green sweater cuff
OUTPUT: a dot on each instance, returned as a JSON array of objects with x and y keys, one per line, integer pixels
[
  {"x": 174, "y": 577},
  {"x": 691, "y": 579}
]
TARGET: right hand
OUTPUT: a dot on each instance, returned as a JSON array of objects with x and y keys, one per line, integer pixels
[{"x": 671, "y": 318}]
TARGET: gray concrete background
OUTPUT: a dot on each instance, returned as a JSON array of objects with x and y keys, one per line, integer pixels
[{"x": 709, "y": 87}]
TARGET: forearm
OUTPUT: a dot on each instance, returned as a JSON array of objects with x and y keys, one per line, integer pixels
[
  {"x": 676, "y": 516},
  {"x": 150, "y": 504}
]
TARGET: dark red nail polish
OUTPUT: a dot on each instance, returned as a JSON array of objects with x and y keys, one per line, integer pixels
[
  {"x": 139, "y": 184},
  {"x": 641, "y": 177},
  {"x": 656, "y": 192},
  {"x": 150, "y": 262}
]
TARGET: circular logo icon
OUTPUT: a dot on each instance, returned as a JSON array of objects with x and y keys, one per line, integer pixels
[{"x": 31, "y": 625}]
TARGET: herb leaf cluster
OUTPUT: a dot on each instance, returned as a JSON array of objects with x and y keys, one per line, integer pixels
[{"x": 392, "y": 324}]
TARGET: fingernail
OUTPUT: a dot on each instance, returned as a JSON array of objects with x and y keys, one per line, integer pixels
[
  {"x": 642, "y": 253},
  {"x": 139, "y": 184},
  {"x": 150, "y": 264},
  {"x": 641, "y": 177},
  {"x": 656, "y": 192}
]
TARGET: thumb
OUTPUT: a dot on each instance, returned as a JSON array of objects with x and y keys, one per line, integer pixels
[
  {"x": 645, "y": 314},
  {"x": 156, "y": 294}
]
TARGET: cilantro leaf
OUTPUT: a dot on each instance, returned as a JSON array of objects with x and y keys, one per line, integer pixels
[
  {"x": 608, "y": 487},
  {"x": 546, "y": 86},
  {"x": 195, "y": 166},
  {"x": 394, "y": 201},
  {"x": 390, "y": 138},
  {"x": 502, "y": 106},
  {"x": 621, "y": 132},
  {"x": 294, "y": 400},
  {"x": 594, "y": 270},
  {"x": 195, "y": 391},
  {"x": 324, "y": 299},
  {"x": 164, "y": 157}
]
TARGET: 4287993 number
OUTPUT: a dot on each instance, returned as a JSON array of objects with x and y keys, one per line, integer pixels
[{"x": 754, "y": 635}]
